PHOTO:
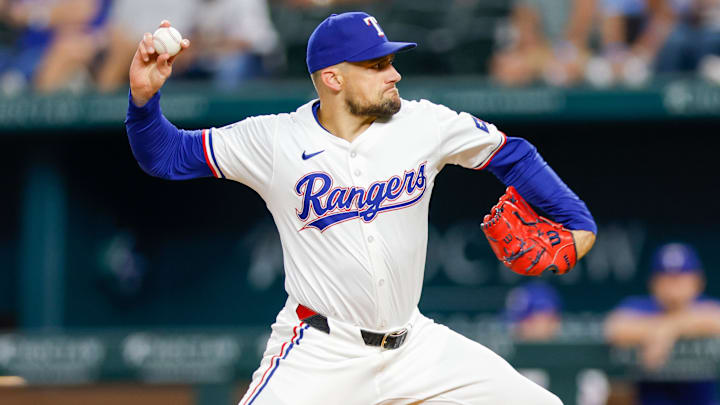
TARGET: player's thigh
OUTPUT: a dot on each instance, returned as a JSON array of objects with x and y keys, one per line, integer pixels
[
  {"x": 303, "y": 365},
  {"x": 443, "y": 367}
]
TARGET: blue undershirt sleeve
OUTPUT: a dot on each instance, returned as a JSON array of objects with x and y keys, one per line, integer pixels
[
  {"x": 161, "y": 149},
  {"x": 519, "y": 164}
]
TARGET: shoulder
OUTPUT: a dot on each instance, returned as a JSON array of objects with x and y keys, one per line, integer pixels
[
  {"x": 423, "y": 106},
  {"x": 639, "y": 304},
  {"x": 439, "y": 114},
  {"x": 258, "y": 124}
]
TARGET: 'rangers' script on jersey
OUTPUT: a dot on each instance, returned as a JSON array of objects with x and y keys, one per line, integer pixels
[{"x": 324, "y": 205}]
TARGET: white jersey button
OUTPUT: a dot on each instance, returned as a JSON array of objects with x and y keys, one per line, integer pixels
[
  {"x": 353, "y": 154},
  {"x": 357, "y": 172},
  {"x": 370, "y": 239},
  {"x": 381, "y": 282}
]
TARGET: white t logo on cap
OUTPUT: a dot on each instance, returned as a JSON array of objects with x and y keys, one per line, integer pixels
[{"x": 373, "y": 21}]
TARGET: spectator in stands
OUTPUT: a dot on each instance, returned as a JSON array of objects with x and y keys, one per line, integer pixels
[
  {"x": 128, "y": 21},
  {"x": 708, "y": 44},
  {"x": 675, "y": 310},
  {"x": 638, "y": 38},
  {"x": 324, "y": 3},
  {"x": 548, "y": 40},
  {"x": 533, "y": 311},
  {"x": 7, "y": 35},
  {"x": 232, "y": 41},
  {"x": 58, "y": 39},
  {"x": 694, "y": 42},
  {"x": 230, "y": 38}
]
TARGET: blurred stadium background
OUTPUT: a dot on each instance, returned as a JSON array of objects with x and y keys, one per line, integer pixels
[{"x": 105, "y": 298}]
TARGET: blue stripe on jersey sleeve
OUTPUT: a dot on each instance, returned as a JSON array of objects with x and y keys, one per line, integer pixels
[
  {"x": 519, "y": 164},
  {"x": 161, "y": 149},
  {"x": 212, "y": 152}
]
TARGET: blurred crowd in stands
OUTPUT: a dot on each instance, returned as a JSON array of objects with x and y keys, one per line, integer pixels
[
  {"x": 80, "y": 45},
  {"x": 608, "y": 41}
]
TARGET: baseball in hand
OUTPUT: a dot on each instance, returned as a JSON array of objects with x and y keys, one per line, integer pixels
[{"x": 167, "y": 40}]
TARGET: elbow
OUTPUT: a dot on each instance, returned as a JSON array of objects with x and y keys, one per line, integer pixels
[
  {"x": 155, "y": 171},
  {"x": 153, "y": 167},
  {"x": 150, "y": 162}
]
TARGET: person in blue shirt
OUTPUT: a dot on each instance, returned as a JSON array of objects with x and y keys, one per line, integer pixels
[
  {"x": 676, "y": 309},
  {"x": 532, "y": 311}
]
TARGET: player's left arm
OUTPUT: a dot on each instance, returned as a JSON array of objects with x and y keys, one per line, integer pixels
[
  {"x": 470, "y": 142},
  {"x": 519, "y": 164}
]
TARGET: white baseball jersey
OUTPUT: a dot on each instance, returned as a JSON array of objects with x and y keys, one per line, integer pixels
[{"x": 352, "y": 216}]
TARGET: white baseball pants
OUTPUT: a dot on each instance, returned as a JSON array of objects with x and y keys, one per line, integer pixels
[{"x": 303, "y": 365}]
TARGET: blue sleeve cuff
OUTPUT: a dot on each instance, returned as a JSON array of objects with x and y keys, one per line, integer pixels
[{"x": 150, "y": 108}]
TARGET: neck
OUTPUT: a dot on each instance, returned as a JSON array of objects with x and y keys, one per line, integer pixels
[{"x": 340, "y": 122}]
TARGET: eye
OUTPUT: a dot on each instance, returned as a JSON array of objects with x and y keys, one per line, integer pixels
[{"x": 382, "y": 64}]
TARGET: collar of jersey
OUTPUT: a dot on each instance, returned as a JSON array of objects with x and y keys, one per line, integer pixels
[{"x": 315, "y": 107}]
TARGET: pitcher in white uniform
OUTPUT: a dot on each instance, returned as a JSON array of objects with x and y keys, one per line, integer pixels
[{"x": 348, "y": 178}]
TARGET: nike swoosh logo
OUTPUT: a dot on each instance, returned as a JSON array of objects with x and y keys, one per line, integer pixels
[{"x": 306, "y": 156}]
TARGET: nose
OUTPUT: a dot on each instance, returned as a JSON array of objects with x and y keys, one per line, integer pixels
[{"x": 394, "y": 75}]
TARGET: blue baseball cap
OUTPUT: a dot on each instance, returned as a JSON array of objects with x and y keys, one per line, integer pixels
[
  {"x": 675, "y": 258},
  {"x": 349, "y": 37},
  {"x": 531, "y": 298}
]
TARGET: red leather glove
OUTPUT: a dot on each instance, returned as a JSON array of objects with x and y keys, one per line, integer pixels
[{"x": 528, "y": 243}]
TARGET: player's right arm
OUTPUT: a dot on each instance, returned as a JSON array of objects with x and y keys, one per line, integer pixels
[
  {"x": 161, "y": 149},
  {"x": 243, "y": 151}
]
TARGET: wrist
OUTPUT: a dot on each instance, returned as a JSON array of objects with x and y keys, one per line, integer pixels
[
  {"x": 141, "y": 107},
  {"x": 139, "y": 98},
  {"x": 584, "y": 241}
]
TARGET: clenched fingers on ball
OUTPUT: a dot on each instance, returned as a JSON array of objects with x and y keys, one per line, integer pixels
[{"x": 146, "y": 48}]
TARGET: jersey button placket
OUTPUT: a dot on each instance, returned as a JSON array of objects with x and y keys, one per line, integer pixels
[
  {"x": 374, "y": 248},
  {"x": 380, "y": 275}
]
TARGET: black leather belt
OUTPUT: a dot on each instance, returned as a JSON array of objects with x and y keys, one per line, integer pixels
[{"x": 390, "y": 340}]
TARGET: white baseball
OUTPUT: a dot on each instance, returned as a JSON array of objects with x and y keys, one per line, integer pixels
[{"x": 167, "y": 40}]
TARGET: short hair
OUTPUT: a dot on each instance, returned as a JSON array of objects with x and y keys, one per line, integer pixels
[{"x": 315, "y": 76}]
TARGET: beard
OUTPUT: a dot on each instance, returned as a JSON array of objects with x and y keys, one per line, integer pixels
[{"x": 384, "y": 109}]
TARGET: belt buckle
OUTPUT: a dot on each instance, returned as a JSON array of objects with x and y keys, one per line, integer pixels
[{"x": 395, "y": 334}]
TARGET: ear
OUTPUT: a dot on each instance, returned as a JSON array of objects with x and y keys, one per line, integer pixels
[{"x": 332, "y": 78}]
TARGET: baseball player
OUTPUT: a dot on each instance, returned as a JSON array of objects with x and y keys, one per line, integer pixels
[
  {"x": 347, "y": 178},
  {"x": 676, "y": 309}
]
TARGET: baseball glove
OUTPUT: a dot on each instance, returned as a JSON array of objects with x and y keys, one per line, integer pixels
[{"x": 527, "y": 243}]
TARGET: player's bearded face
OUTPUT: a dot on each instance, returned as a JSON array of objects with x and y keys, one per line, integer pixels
[{"x": 371, "y": 90}]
